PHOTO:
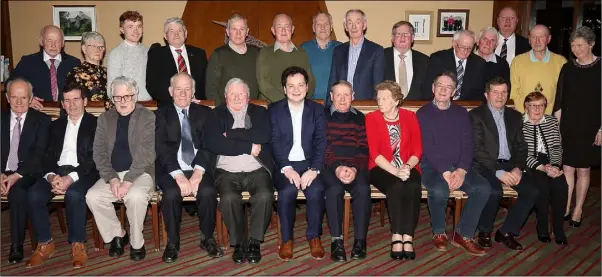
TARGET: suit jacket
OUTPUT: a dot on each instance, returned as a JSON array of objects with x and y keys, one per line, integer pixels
[
  {"x": 85, "y": 143},
  {"x": 486, "y": 139},
  {"x": 161, "y": 66},
  {"x": 169, "y": 137},
  {"x": 499, "y": 68},
  {"x": 32, "y": 143},
  {"x": 368, "y": 72},
  {"x": 33, "y": 69},
  {"x": 313, "y": 133},
  {"x": 419, "y": 63},
  {"x": 522, "y": 45},
  {"x": 475, "y": 75},
  {"x": 240, "y": 141},
  {"x": 141, "y": 141}
]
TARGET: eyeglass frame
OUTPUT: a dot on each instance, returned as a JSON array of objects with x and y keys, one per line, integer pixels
[
  {"x": 122, "y": 99},
  {"x": 97, "y": 47}
]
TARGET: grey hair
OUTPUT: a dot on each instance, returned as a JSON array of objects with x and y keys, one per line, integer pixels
[
  {"x": 585, "y": 33},
  {"x": 51, "y": 27},
  {"x": 87, "y": 36},
  {"x": 173, "y": 79},
  {"x": 127, "y": 81},
  {"x": 235, "y": 81},
  {"x": 173, "y": 20},
  {"x": 237, "y": 17},
  {"x": 19, "y": 79},
  {"x": 355, "y": 11},
  {"x": 313, "y": 18},
  {"x": 459, "y": 34},
  {"x": 491, "y": 30}
]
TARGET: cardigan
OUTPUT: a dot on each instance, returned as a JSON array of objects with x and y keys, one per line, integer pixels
[{"x": 550, "y": 130}]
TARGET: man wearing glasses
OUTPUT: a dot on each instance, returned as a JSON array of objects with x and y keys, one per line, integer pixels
[
  {"x": 124, "y": 153},
  {"x": 468, "y": 67}
]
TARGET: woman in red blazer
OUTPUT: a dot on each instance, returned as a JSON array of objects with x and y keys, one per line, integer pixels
[{"x": 395, "y": 149}]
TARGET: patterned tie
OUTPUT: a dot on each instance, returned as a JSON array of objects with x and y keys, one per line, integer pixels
[
  {"x": 460, "y": 71},
  {"x": 504, "y": 51},
  {"x": 53, "y": 85},
  {"x": 187, "y": 146},
  {"x": 403, "y": 76},
  {"x": 181, "y": 62},
  {"x": 13, "y": 156}
]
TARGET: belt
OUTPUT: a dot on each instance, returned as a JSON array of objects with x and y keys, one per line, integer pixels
[{"x": 502, "y": 161}]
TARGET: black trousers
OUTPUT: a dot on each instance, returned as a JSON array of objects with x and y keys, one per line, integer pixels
[
  {"x": 403, "y": 199},
  {"x": 335, "y": 202},
  {"x": 551, "y": 191},
  {"x": 17, "y": 203},
  {"x": 230, "y": 186},
  {"x": 171, "y": 206}
]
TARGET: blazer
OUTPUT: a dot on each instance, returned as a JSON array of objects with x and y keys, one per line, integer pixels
[
  {"x": 522, "y": 45},
  {"x": 419, "y": 63},
  {"x": 499, "y": 68},
  {"x": 33, "y": 69},
  {"x": 550, "y": 131},
  {"x": 141, "y": 141},
  {"x": 368, "y": 73},
  {"x": 475, "y": 75},
  {"x": 85, "y": 144},
  {"x": 240, "y": 141},
  {"x": 161, "y": 66},
  {"x": 486, "y": 139},
  {"x": 379, "y": 142},
  {"x": 169, "y": 137},
  {"x": 32, "y": 143},
  {"x": 313, "y": 133}
]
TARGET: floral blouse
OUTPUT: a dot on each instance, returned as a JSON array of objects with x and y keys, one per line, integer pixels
[{"x": 93, "y": 78}]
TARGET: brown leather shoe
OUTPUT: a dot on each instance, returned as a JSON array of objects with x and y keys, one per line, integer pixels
[
  {"x": 440, "y": 242},
  {"x": 286, "y": 251},
  {"x": 79, "y": 254},
  {"x": 316, "y": 249},
  {"x": 43, "y": 252},
  {"x": 468, "y": 244}
]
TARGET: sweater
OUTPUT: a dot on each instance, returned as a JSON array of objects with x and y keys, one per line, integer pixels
[
  {"x": 347, "y": 144},
  {"x": 320, "y": 61},
  {"x": 129, "y": 61},
  {"x": 446, "y": 137},
  {"x": 548, "y": 127}
]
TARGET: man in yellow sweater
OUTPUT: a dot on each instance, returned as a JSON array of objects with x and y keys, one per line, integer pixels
[{"x": 536, "y": 70}]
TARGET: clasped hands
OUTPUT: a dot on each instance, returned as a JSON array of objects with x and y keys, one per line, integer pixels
[
  {"x": 511, "y": 178},
  {"x": 403, "y": 172},
  {"x": 189, "y": 186},
  {"x": 119, "y": 188},
  {"x": 301, "y": 182},
  {"x": 346, "y": 174},
  {"x": 550, "y": 170},
  {"x": 454, "y": 179},
  {"x": 59, "y": 184},
  {"x": 7, "y": 181}
]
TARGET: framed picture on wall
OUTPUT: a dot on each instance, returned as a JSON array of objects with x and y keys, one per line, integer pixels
[
  {"x": 421, "y": 20},
  {"x": 74, "y": 20},
  {"x": 450, "y": 21}
]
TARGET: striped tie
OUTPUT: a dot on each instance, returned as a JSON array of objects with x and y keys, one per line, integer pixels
[
  {"x": 13, "y": 154},
  {"x": 53, "y": 83},
  {"x": 460, "y": 70},
  {"x": 181, "y": 62},
  {"x": 504, "y": 51}
]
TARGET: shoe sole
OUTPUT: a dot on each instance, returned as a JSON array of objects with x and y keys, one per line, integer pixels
[
  {"x": 465, "y": 250},
  {"x": 358, "y": 258},
  {"x": 440, "y": 249},
  {"x": 283, "y": 259},
  {"x": 43, "y": 262},
  {"x": 317, "y": 258}
]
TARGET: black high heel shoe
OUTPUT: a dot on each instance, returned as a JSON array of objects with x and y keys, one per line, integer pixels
[
  {"x": 573, "y": 223},
  {"x": 410, "y": 255},
  {"x": 397, "y": 255},
  {"x": 568, "y": 216}
]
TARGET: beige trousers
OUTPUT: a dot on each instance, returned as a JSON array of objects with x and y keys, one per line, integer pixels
[{"x": 100, "y": 201}]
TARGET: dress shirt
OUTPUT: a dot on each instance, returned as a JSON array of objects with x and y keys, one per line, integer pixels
[
  {"x": 464, "y": 62},
  {"x": 504, "y": 151},
  {"x": 541, "y": 147},
  {"x": 184, "y": 55},
  {"x": 490, "y": 59},
  {"x": 296, "y": 153},
  {"x": 510, "y": 47},
  {"x": 13, "y": 122},
  {"x": 69, "y": 153},
  {"x": 57, "y": 59},
  {"x": 277, "y": 46},
  {"x": 183, "y": 165},
  {"x": 534, "y": 59},
  {"x": 409, "y": 67},
  {"x": 354, "y": 55}
]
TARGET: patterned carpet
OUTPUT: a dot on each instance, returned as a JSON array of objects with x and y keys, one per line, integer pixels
[{"x": 580, "y": 257}]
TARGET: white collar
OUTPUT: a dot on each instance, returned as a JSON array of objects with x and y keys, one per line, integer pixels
[
  {"x": 77, "y": 122},
  {"x": 131, "y": 44},
  {"x": 502, "y": 38},
  {"x": 183, "y": 48},
  {"x": 407, "y": 54},
  {"x": 14, "y": 115},
  {"x": 526, "y": 119},
  {"x": 47, "y": 57}
]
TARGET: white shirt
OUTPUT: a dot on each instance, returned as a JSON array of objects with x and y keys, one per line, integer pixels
[
  {"x": 184, "y": 55},
  {"x": 69, "y": 153},
  {"x": 57, "y": 59},
  {"x": 463, "y": 63},
  {"x": 510, "y": 47},
  {"x": 409, "y": 67},
  {"x": 297, "y": 153},
  {"x": 182, "y": 163},
  {"x": 13, "y": 122}
]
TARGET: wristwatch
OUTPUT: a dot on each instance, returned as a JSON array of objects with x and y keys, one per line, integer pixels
[{"x": 314, "y": 169}]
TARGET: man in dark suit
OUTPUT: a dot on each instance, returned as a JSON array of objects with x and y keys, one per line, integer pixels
[
  {"x": 403, "y": 64},
  {"x": 46, "y": 70},
  {"x": 469, "y": 68},
  {"x": 495, "y": 65},
  {"x": 70, "y": 171},
  {"x": 359, "y": 61},
  {"x": 164, "y": 62},
  {"x": 24, "y": 134},
  {"x": 510, "y": 44},
  {"x": 184, "y": 166},
  {"x": 500, "y": 157},
  {"x": 298, "y": 143}
]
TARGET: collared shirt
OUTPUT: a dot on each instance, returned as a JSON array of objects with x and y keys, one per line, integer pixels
[
  {"x": 297, "y": 153},
  {"x": 57, "y": 59},
  {"x": 504, "y": 151},
  {"x": 534, "y": 59},
  {"x": 354, "y": 55},
  {"x": 183, "y": 165},
  {"x": 277, "y": 46},
  {"x": 490, "y": 59},
  {"x": 463, "y": 62},
  {"x": 320, "y": 60},
  {"x": 409, "y": 67},
  {"x": 236, "y": 49},
  {"x": 510, "y": 47},
  {"x": 13, "y": 122},
  {"x": 184, "y": 55},
  {"x": 69, "y": 153},
  {"x": 332, "y": 110},
  {"x": 541, "y": 148},
  {"x": 447, "y": 105}
]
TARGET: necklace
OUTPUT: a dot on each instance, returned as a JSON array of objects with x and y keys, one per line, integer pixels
[{"x": 391, "y": 119}]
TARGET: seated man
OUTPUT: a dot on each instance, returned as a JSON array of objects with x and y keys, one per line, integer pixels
[
  {"x": 346, "y": 168},
  {"x": 239, "y": 134},
  {"x": 181, "y": 165},
  {"x": 124, "y": 153},
  {"x": 447, "y": 150},
  {"x": 21, "y": 157},
  {"x": 70, "y": 172},
  {"x": 299, "y": 157}
]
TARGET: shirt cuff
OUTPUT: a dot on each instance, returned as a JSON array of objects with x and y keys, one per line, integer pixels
[
  {"x": 48, "y": 174},
  {"x": 284, "y": 168},
  {"x": 175, "y": 173},
  {"x": 199, "y": 167},
  {"x": 499, "y": 173},
  {"x": 74, "y": 176}
]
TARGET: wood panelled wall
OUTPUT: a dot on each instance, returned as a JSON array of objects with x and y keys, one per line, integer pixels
[
  {"x": 523, "y": 11},
  {"x": 207, "y": 35}
]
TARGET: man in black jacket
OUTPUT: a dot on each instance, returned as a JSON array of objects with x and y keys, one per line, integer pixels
[
  {"x": 510, "y": 44},
  {"x": 239, "y": 133},
  {"x": 495, "y": 65}
]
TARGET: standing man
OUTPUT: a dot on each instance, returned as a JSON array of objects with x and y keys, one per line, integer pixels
[
  {"x": 486, "y": 43},
  {"x": 403, "y": 64},
  {"x": 320, "y": 51},
  {"x": 510, "y": 44}
]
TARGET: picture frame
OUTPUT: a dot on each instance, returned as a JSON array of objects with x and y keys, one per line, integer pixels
[
  {"x": 74, "y": 20},
  {"x": 422, "y": 22},
  {"x": 451, "y": 20}
]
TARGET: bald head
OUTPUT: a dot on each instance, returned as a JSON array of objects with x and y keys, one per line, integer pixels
[
  {"x": 282, "y": 28},
  {"x": 539, "y": 37},
  {"x": 282, "y": 17},
  {"x": 52, "y": 40},
  {"x": 507, "y": 20}
]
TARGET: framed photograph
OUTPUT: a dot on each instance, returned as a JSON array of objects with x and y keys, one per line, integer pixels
[
  {"x": 421, "y": 20},
  {"x": 450, "y": 21},
  {"x": 74, "y": 20}
]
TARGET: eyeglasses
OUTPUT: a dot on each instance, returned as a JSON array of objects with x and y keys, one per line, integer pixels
[
  {"x": 96, "y": 47},
  {"x": 72, "y": 100},
  {"x": 464, "y": 48},
  {"x": 442, "y": 87},
  {"x": 536, "y": 106},
  {"x": 125, "y": 98},
  {"x": 402, "y": 35}
]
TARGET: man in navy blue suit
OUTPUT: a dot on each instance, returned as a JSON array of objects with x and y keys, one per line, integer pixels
[
  {"x": 298, "y": 144},
  {"x": 359, "y": 61}
]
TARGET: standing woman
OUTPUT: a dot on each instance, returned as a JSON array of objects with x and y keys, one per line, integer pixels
[
  {"x": 577, "y": 106},
  {"x": 395, "y": 148}
]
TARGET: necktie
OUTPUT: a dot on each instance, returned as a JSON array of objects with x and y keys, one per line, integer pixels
[
  {"x": 459, "y": 78},
  {"x": 53, "y": 84},
  {"x": 403, "y": 76},
  {"x": 504, "y": 51},
  {"x": 187, "y": 146},
  {"x": 181, "y": 62},
  {"x": 13, "y": 156}
]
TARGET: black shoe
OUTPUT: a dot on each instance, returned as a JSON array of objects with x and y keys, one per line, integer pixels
[
  {"x": 410, "y": 255},
  {"x": 170, "y": 254},
  {"x": 573, "y": 223},
  {"x": 567, "y": 217},
  {"x": 337, "y": 251},
  {"x": 16, "y": 253},
  {"x": 562, "y": 241},
  {"x": 137, "y": 254},
  {"x": 210, "y": 245},
  {"x": 396, "y": 255},
  {"x": 484, "y": 239},
  {"x": 254, "y": 251},
  {"x": 191, "y": 210},
  {"x": 239, "y": 255},
  {"x": 508, "y": 240},
  {"x": 359, "y": 249},
  {"x": 544, "y": 239},
  {"x": 117, "y": 245}
]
